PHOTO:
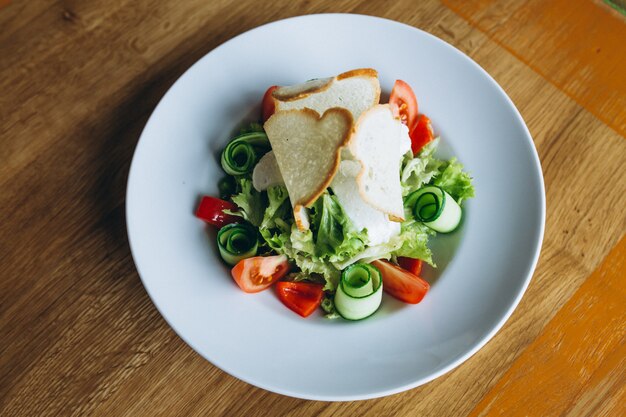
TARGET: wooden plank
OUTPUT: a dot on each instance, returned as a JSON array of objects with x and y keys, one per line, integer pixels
[
  {"x": 17, "y": 15},
  {"x": 79, "y": 79},
  {"x": 578, "y": 363},
  {"x": 578, "y": 46}
]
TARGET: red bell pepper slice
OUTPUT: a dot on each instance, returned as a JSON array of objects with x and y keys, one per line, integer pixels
[
  {"x": 211, "y": 210},
  {"x": 301, "y": 297}
]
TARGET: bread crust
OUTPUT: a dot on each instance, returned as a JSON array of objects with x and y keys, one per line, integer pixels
[
  {"x": 359, "y": 72},
  {"x": 368, "y": 73},
  {"x": 301, "y": 94},
  {"x": 301, "y": 217}
]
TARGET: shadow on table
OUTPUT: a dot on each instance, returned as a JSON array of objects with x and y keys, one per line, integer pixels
[{"x": 115, "y": 131}]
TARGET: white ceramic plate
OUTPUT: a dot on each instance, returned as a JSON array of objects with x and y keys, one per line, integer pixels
[{"x": 485, "y": 267}]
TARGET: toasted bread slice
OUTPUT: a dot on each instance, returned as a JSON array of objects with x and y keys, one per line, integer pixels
[
  {"x": 378, "y": 142},
  {"x": 307, "y": 148},
  {"x": 355, "y": 90}
]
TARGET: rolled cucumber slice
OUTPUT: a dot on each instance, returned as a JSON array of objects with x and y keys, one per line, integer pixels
[
  {"x": 237, "y": 241},
  {"x": 243, "y": 152},
  {"x": 435, "y": 208},
  {"x": 359, "y": 292}
]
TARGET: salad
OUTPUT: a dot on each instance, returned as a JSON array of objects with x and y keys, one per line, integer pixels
[{"x": 332, "y": 200}]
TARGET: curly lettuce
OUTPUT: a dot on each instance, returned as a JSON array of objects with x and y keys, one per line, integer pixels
[
  {"x": 420, "y": 170},
  {"x": 414, "y": 237},
  {"x": 278, "y": 206},
  {"x": 335, "y": 236},
  {"x": 412, "y": 242},
  {"x": 300, "y": 247},
  {"x": 331, "y": 238},
  {"x": 249, "y": 201},
  {"x": 425, "y": 169},
  {"x": 454, "y": 180}
]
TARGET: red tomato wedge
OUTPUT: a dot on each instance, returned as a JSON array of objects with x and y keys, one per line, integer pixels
[
  {"x": 414, "y": 266},
  {"x": 258, "y": 273},
  {"x": 422, "y": 134},
  {"x": 268, "y": 103},
  {"x": 403, "y": 97},
  {"x": 301, "y": 297},
  {"x": 211, "y": 210},
  {"x": 401, "y": 284}
]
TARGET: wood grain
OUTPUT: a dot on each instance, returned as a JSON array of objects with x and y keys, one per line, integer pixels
[
  {"x": 78, "y": 334},
  {"x": 579, "y": 359},
  {"x": 578, "y": 46}
]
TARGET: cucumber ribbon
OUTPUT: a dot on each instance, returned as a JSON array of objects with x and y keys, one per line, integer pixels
[
  {"x": 435, "y": 208},
  {"x": 237, "y": 241},
  {"x": 359, "y": 292},
  {"x": 242, "y": 153}
]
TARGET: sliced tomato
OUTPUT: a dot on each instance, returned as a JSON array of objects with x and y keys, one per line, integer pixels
[
  {"x": 302, "y": 297},
  {"x": 211, "y": 210},
  {"x": 412, "y": 265},
  {"x": 401, "y": 284},
  {"x": 268, "y": 103},
  {"x": 422, "y": 134},
  {"x": 403, "y": 97},
  {"x": 258, "y": 273}
]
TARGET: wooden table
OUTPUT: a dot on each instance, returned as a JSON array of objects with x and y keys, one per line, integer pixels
[{"x": 78, "y": 334}]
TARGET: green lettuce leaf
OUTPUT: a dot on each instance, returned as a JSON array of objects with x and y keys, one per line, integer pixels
[
  {"x": 299, "y": 247},
  {"x": 371, "y": 253},
  {"x": 326, "y": 219},
  {"x": 418, "y": 171},
  {"x": 249, "y": 201},
  {"x": 277, "y": 237},
  {"x": 454, "y": 180},
  {"x": 279, "y": 231},
  {"x": 304, "y": 252},
  {"x": 334, "y": 234},
  {"x": 426, "y": 169},
  {"x": 278, "y": 206},
  {"x": 314, "y": 265},
  {"x": 414, "y": 241},
  {"x": 275, "y": 227},
  {"x": 302, "y": 241}
]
